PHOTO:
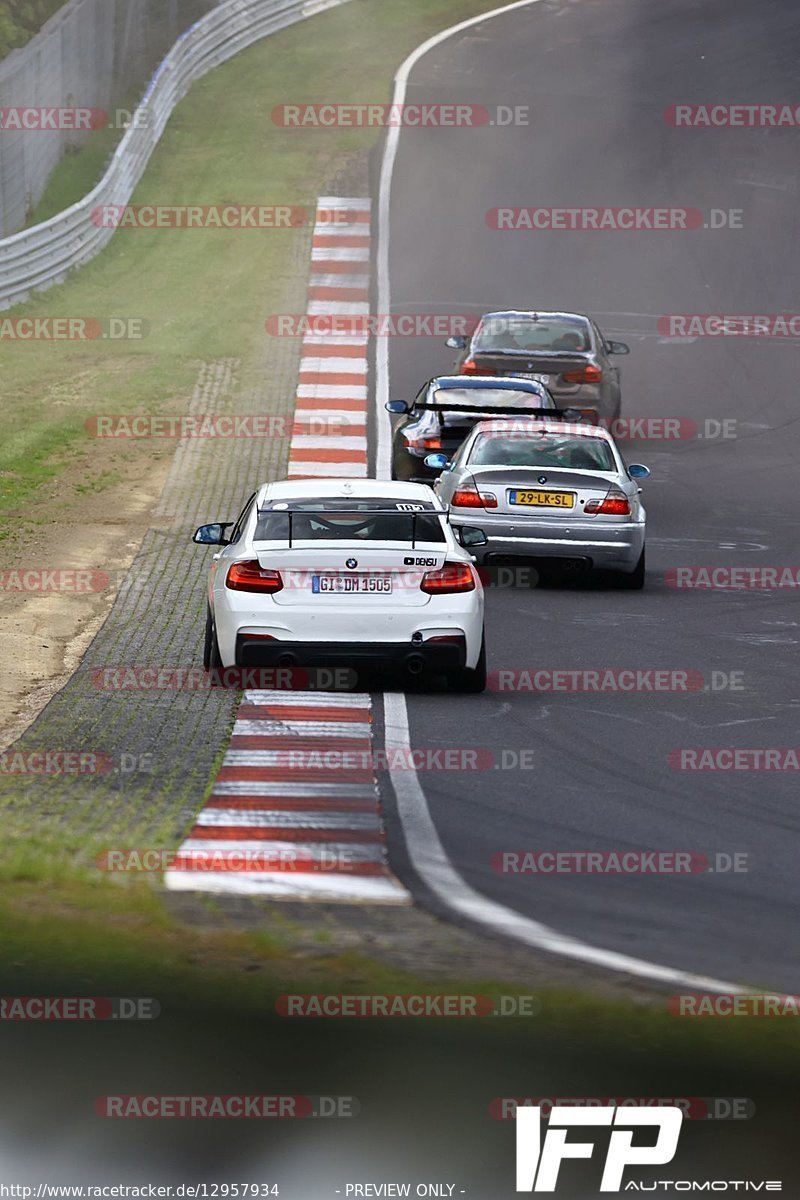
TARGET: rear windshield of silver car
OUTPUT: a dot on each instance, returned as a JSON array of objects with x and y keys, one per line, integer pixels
[
  {"x": 552, "y": 335},
  {"x": 542, "y": 450},
  {"x": 374, "y": 519}
]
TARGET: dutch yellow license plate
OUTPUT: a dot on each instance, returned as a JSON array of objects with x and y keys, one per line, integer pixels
[{"x": 543, "y": 499}]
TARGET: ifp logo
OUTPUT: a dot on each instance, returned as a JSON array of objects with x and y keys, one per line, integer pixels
[{"x": 538, "y": 1163}]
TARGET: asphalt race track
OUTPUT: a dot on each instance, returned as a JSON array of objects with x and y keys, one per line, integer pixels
[{"x": 597, "y": 77}]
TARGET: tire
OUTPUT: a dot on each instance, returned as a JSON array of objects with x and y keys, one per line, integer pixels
[
  {"x": 211, "y": 656},
  {"x": 635, "y": 581},
  {"x": 471, "y": 680}
]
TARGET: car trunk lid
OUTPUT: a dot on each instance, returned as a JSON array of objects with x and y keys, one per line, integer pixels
[
  {"x": 353, "y": 574},
  {"x": 551, "y": 492}
]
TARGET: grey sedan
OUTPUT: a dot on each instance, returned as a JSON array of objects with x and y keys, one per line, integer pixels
[
  {"x": 564, "y": 351},
  {"x": 546, "y": 490}
]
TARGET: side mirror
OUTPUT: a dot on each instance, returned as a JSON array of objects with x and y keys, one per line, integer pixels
[
  {"x": 471, "y": 536},
  {"x": 617, "y": 348},
  {"x": 212, "y": 535},
  {"x": 638, "y": 471},
  {"x": 397, "y": 406},
  {"x": 437, "y": 462},
  {"x": 457, "y": 343}
]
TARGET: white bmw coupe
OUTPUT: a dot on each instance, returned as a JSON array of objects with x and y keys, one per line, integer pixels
[{"x": 348, "y": 573}]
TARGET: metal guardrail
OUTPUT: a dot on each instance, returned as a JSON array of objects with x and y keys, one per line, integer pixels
[{"x": 39, "y": 257}]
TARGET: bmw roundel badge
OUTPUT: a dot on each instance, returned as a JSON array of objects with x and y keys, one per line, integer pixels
[
  {"x": 351, "y": 563},
  {"x": 542, "y": 479}
]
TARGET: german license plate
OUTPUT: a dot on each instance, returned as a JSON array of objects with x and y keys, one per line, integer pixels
[
  {"x": 543, "y": 379},
  {"x": 350, "y": 585},
  {"x": 542, "y": 499}
]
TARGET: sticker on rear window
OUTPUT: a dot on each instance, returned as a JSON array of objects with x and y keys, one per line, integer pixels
[{"x": 410, "y": 507}]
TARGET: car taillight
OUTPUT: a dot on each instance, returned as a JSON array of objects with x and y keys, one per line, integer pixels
[
  {"x": 472, "y": 498},
  {"x": 248, "y": 576},
  {"x": 468, "y": 367},
  {"x": 591, "y": 373},
  {"x": 614, "y": 505},
  {"x": 426, "y": 443},
  {"x": 453, "y": 577}
]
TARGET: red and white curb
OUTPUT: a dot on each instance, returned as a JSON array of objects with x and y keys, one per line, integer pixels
[
  {"x": 288, "y": 816},
  {"x": 329, "y": 436},
  {"x": 294, "y": 812}
]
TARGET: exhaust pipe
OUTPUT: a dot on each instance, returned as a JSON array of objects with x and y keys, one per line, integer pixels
[{"x": 415, "y": 664}]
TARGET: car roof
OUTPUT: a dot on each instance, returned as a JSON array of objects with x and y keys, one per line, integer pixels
[
  {"x": 340, "y": 489},
  {"x": 534, "y": 314},
  {"x": 499, "y": 382},
  {"x": 521, "y": 425}
]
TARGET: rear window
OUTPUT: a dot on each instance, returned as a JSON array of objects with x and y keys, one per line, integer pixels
[
  {"x": 365, "y": 520},
  {"x": 559, "y": 335},
  {"x": 543, "y": 450}
]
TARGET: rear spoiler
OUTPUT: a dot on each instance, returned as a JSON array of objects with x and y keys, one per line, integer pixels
[
  {"x": 507, "y": 352},
  {"x": 501, "y": 410},
  {"x": 369, "y": 512}
]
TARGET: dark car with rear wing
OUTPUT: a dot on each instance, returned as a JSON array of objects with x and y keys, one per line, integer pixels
[
  {"x": 447, "y": 408},
  {"x": 565, "y": 352}
]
